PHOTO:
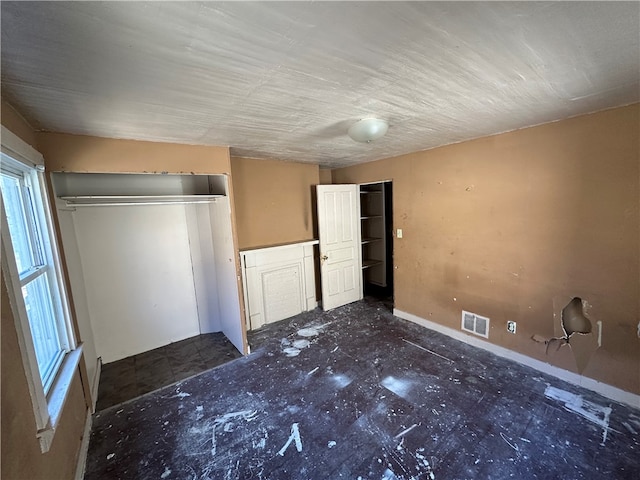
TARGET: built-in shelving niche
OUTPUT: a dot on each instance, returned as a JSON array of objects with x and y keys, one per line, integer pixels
[
  {"x": 91, "y": 189},
  {"x": 151, "y": 258},
  {"x": 373, "y": 233}
]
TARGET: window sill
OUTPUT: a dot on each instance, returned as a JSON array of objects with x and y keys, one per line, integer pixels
[{"x": 57, "y": 397}]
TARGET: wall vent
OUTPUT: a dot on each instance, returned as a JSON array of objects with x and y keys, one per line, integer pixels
[{"x": 475, "y": 324}]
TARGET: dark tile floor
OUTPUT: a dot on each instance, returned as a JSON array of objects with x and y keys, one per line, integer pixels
[
  {"x": 356, "y": 393},
  {"x": 134, "y": 376}
]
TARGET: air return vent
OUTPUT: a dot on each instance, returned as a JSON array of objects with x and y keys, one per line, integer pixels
[{"x": 475, "y": 324}]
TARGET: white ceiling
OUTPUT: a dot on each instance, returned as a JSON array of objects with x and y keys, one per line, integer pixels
[{"x": 286, "y": 80}]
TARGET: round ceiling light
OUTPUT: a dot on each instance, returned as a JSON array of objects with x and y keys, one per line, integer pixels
[{"x": 368, "y": 129}]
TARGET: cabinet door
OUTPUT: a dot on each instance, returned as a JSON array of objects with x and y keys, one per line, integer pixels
[{"x": 340, "y": 252}]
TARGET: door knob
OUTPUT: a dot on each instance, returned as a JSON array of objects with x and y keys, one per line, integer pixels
[{"x": 324, "y": 257}]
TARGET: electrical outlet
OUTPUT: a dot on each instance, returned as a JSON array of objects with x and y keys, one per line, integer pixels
[{"x": 511, "y": 326}]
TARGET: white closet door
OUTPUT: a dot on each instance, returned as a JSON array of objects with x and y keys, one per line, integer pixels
[
  {"x": 226, "y": 274},
  {"x": 340, "y": 251},
  {"x": 138, "y": 274}
]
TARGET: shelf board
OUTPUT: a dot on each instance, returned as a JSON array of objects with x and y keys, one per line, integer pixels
[
  {"x": 370, "y": 239},
  {"x": 367, "y": 217},
  {"x": 95, "y": 200},
  {"x": 370, "y": 263},
  {"x": 370, "y": 192}
]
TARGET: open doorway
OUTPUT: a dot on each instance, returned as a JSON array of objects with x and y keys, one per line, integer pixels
[{"x": 376, "y": 223}]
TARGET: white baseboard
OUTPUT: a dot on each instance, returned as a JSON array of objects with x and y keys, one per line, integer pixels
[
  {"x": 96, "y": 384},
  {"x": 604, "y": 389},
  {"x": 84, "y": 447}
]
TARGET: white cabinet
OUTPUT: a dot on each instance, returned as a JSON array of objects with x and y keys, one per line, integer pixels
[
  {"x": 152, "y": 256},
  {"x": 279, "y": 282}
]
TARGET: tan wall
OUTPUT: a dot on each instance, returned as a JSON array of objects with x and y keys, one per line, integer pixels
[
  {"x": 80, "y": 153},
  {"x": 12, "y": 120},
  {"x": 21, "y": 456},
  {"x": 20, "y": 453},
  {"x": 513, "y": 226},
  {"x": 325, "y": 177},
  {"x": 274, "y": 201}
]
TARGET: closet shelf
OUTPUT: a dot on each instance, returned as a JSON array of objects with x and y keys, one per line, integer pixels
[
  {"x": 370, "y": 263},
  {"x": 110, "y": 200},
  {"x": 371, "y": 239},
  {"x": 367, "y": 217}
]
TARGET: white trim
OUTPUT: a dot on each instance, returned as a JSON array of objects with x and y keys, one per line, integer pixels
[
  {"x": 21, "y": 321},
  {"x": 34, "y": 179},
  {"x": 47, "y": 408},
  {"x": 54, "y": 250},
  {"x": 359, "y": 272},
  {"x": 390, "y": 180},
  {"x": 17, "y": 148},
  {"x": 280, "y": 246},
  {"x": 96, "y": 384},
  {"x": 608, "y": 391},
  {"x": 58, "y": 395},
  {"x": 84, "y": 447},
  {"x": 61, "y": 385}
]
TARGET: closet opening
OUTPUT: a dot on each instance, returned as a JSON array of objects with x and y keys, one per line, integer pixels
[
  {"x": 376, "y": 223},
  {"x": 152, "y": 269}
]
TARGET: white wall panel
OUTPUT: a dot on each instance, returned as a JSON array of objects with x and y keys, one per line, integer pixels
[
  {"x": 77, "y": 283},
  {"x": 138, "y": 277},
  {"x": 203, "y": 264}
]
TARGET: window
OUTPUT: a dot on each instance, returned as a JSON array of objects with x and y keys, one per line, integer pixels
[
  {"x": 26, "y": 219},
  {"x": 32, "y": 273}
]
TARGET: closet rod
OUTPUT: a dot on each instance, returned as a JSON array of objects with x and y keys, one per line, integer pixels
[
  {"x": 116, "y": 204},
  {"x": 132, "y": 200}
]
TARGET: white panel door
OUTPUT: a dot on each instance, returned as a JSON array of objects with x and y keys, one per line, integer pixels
[{"x": 340, "y": 255}]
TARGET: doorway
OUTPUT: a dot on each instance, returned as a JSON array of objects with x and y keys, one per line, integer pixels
[
  {"x": 376, "y": 224},
  {"x": 355, "y": 229}
]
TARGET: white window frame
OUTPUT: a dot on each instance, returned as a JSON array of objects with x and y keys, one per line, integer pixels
[{"x": 47, "y": 404}]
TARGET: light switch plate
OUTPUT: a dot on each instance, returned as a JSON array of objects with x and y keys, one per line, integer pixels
[{"x": 399, "y": 233}]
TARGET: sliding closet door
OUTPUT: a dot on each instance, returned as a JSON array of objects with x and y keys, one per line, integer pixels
[{"x": 139, "y": 281}]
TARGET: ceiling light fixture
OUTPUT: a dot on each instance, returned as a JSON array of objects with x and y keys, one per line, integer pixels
[{"x": 368, "y": 129}]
